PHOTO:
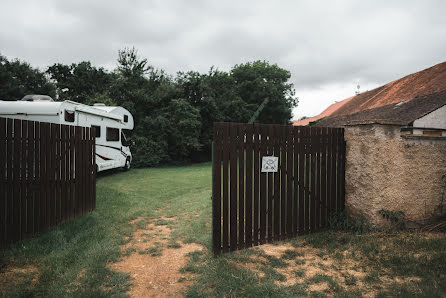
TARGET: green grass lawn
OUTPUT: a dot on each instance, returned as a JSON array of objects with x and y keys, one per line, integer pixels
[{"x": 71, "y": 260}]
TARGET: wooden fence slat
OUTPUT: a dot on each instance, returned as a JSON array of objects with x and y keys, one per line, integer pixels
[
  {"x": 342, "y": 170},
  {"x": 307, "y": 180},
  {"x": 93, "y": 182},
  {"x": 216, "y": 191},
  {"x": 262, "y": 207},
  {"x": 270, "y": 200},
  {"x": 37, "y": 178},
  {"x": 16, "y": 178},
  {"x": 295, "y": 181},
  {"x": 30, "y": 198},
  {"x": 84, "y": 170},
  {"x": 276, "y": 134},
  {"x": 225, "y": 145},
  {"x": 323, "y": 194},
  {"x": 23, "y": 181},
  {"x": 301, "y": 152},
  {"x": 334, "y": 169},
  {"x": 283, "y": 203},
  {"x": 249, "y": 185},
  {"x": 9, "y": 181},
  {"x": 3, "y": 193},
  {"x": 233, "y": 186},
  {"x": 289, "y": 181},
  {"x": 58, "y": 169},
  {"x": 256, "y": 185},
  {"x": 241, "y": 184},
  {"x": 313, "y": 197},
  {"x": 317, "y": 195},
  {"x": 63, "y": 172}
]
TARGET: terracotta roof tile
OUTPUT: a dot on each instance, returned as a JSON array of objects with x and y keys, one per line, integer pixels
[{"x": 327, "y": 112}]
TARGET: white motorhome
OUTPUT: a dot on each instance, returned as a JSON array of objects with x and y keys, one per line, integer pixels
[{"x": 112, "y": 147}]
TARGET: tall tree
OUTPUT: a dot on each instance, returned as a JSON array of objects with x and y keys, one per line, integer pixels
[
  {"x": 80, "y": 81},
  {"x": 18, "y": 79},
  {"x": 255, "y": 81}
]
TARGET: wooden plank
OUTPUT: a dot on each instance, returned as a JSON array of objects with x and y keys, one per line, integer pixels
[
  {"x": 72, "y": 172},
  {"x": 225, "y": 148},
  {"x": 289, "y": 181},
  {"x": 77, "y": 165},
  {"x": 16, "y": 180},
  {"x": 333, "y": 170},
  {"x": 45, "y": 170},
  {"x": 233, "y": 186},
  {"x": 93, "y": 137},
  {"x": 52, "y": 173},
  {"x": 276, "y": 134},
  {"x": 37, "y": 178},
  {"x": 343, "y": 161},
  {"x": 216, "y": 191},
  {"x": 249, "y": 184},
  {"x": 9, "y": 186},
  {"x": 270, "y": 198},
  {"x": 307, "y": 179},
  {"x": 90, "y": 170},
  {"x": 23, "y": 180},
  {"x": 30, "y": 198},
  {"x": 283, "y": 201},
  {"x": 58, "y": 180},
  {"x": 241, "y": 190},
  {"x": 329, "y": 171},
  {"x": 63, "y": 172},
  {"x": 262, "y": 207},
  {"x": 323, "y": 193},
  {"x": 3, "y": 193},
  {"x": 301, "y": 152},
  {"x": 316, "y": 198},
  {"x": 313, "y": 197},
  {"x": 256, "y": 177},
  {"x": 295, "y": 181},
  {"x": 84, "y": 169}
]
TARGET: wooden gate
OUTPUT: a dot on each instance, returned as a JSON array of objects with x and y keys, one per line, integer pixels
[
  {"x": 47, "y": 176},
  {"x": 251, "y": 207}
]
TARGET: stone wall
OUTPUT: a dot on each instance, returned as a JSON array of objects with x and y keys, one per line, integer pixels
[{"x": 385, "y": 170}]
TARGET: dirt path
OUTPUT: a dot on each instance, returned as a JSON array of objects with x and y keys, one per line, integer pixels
[{"x": 153, "y": 260}]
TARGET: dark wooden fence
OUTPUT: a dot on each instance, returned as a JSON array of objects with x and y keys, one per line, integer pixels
[
  {"x": 47, "y": 176},
  {"x": 251, "y": 207}
]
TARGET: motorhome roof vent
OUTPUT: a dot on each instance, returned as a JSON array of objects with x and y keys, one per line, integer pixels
[
  {"x": 99, "y": 104},
  {"x": 37, "y": 97}
]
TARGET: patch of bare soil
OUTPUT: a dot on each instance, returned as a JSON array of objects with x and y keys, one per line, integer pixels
[
  {"x": 311, "y": 262},
  {"x": 11, "y": 276},
  {"x": 152, "y": 264}
]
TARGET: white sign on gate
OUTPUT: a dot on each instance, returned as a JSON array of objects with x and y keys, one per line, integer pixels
[{"x": 270, "y": 164}]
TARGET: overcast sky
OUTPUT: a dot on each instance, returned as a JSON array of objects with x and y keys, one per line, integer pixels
[{"x": 329, "y": 46}]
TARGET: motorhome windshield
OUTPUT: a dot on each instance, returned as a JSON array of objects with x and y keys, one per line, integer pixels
[{"x": 123, "y": 139}]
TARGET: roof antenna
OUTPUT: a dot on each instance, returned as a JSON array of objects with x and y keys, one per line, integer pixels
[{"x": 357, "y": 92}]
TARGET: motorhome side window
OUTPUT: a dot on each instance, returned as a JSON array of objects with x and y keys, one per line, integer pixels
[
  {"x": 69, "y": 116},
  {"x": 97, "y": 130},
  {"x": 112, "y": 134}
]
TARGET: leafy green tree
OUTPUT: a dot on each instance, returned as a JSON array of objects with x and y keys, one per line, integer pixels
[
  {"x": 79, "y": 81},
  {"x": 183, "y": 129},
  {"x": 255, "y": 81},
  {"x": 18, "y": 79}
]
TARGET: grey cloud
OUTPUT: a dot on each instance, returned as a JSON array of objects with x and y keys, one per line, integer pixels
[{"x": 320, "y": 42}]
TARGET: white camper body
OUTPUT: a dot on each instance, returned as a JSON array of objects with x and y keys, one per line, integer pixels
[{"x": 112, "y": 149}]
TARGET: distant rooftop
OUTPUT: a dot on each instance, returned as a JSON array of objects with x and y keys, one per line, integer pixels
[{"x": 428, "y": 81}]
